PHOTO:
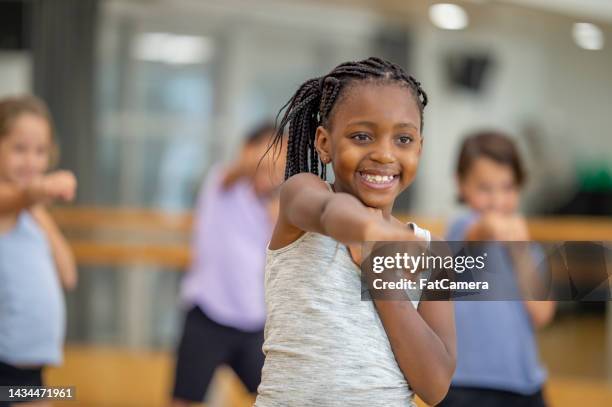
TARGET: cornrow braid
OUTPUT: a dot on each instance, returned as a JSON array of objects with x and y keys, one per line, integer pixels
[{"x": 312, "y": 105}]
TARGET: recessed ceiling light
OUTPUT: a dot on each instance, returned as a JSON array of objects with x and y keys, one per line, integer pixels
[
  {"x": 448, "y": 16},
  {"x": 588, "y": 36},
  {"x": 172, "y": 48}
]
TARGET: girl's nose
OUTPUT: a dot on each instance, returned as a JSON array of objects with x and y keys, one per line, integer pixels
[
  {"x": 32, "y": 159},
  {"x": 383, "y": 154},
  {"x": 498, "y": 201}
]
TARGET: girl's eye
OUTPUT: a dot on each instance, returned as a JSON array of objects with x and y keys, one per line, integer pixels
[
  {"x": 361, "y": 137},
  {"x": 19, "y": 148},
  {"x": 485, "y": 189},
  {"x": 404, "y": 139}
]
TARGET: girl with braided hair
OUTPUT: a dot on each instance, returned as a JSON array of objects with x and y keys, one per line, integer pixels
[{"x": 323, "y": 345}]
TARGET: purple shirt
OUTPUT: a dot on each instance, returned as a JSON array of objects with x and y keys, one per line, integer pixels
[{"x": 232, "y": 229}]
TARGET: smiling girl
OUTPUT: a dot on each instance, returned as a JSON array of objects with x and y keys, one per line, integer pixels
[
  {"x": 35, "y": 260},
  {"x": 323, "y": 345}
]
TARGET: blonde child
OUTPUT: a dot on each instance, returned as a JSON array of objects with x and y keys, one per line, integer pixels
[{"x": 35, "y": 260}]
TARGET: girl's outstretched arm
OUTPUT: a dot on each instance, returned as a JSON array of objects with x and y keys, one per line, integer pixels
[
  {"x": 58, "y": 185},
  {"x": 423, "y": 343},
  {"x": 307, "y": 204}
]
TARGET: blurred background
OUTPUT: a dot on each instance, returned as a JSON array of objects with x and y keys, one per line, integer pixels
[{"x": 148, "y": 94}]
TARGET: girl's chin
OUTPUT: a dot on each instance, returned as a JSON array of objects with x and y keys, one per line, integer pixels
[
  {"x": 386, "y": 194},
  {"x": 377, "y": 200}
]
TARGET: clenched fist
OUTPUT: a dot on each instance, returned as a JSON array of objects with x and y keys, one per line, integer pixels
[{"x": 56, "y": 186}]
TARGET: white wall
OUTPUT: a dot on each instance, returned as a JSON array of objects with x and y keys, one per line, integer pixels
[
  {"x": 15, "y": 69},
  {"x": 539, "y": 78}
]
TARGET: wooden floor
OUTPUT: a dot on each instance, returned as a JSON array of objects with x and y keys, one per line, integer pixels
[{"x": 572, "y": 349}]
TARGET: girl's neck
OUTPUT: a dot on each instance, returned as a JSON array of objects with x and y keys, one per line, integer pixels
[{"x": 387, "y": 215}]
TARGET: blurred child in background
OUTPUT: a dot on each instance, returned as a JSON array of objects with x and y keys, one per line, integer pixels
[
  {"x": 497, "y": 355},
  {"x": 35, "y": 259},
  {"x": 223, "y": 290}
]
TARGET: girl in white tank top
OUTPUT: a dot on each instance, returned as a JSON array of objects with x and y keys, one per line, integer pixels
[{"x": 324, "y": 346}]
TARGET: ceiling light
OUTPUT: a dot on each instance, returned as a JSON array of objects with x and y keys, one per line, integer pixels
[
  {"x": 172, "y": 48},
  {"x": 588, "y": 36},
  {"x": 448, "y": 16}
]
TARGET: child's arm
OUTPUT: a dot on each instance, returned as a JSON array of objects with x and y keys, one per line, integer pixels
[
  {"x": 529, "y": 281},
  {"x": 13, "y": 199},
  {"x": 306, "y": 204},
  {"x": 54, "y": 186},
  {"x": 540, "y": 312},
  {"x": 490, "y": 226},
  {"x": 423, "y": 343},
  {"x": 62, "y": 254}
]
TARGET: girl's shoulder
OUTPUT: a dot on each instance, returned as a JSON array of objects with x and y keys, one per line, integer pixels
[
  {"x": 23, "y": 230},
  {"x": 13, "y": 222},
  {"x": 296, "y": 183},
  {"x": 7, "y": 223}
]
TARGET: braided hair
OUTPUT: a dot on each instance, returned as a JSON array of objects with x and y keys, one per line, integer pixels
[{"x": 312, "y": 104}]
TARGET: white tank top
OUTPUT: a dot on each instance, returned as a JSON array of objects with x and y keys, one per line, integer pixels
[{"x": 324, "y": 346}]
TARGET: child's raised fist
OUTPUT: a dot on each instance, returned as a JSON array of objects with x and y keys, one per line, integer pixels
[
  {"x": 59, "y": 185},
  {"x": 502, "y": 227}
]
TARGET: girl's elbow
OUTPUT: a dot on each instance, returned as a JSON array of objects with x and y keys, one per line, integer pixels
[
  {"x": 540, "y": 321},
  {"x": 434, "y": 395},
  {"x": 434, "y": 391},
  {"x": 543, "y": 315},
  {"x": 70, "y": 285}
]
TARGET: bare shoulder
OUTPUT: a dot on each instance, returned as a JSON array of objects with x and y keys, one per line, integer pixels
[
  {"x": 301, "y": 199},
  {"x": 39, "y": 213},
  {"x": 299, "y": 182},
  {"x": 7, "y": 222},
  {"x": 302, "y": 192}
]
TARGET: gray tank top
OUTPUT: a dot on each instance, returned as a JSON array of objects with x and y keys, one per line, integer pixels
[{"x": 323, "y": 345}]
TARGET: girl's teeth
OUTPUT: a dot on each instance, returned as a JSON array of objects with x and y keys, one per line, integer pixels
[{"x": 378, "y": 178}]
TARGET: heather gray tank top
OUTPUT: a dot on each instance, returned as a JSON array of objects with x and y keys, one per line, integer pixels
[{"x": 323, "y": 345}]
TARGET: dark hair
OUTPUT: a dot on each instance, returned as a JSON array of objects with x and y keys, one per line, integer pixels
[
  {"x": 260, "y": 132},
  {"x": 493, "y": 145},
  {"x": 313, "y": 103}
]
